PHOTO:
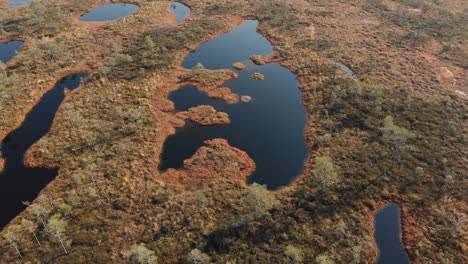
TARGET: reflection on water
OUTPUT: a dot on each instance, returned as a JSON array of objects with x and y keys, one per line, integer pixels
[
  {"x": 269, "y": 128},
  {"x": 19, "y": 182},
  {"x": 108, "y": 12},
  {"x": 180, "y": 10},
  {"x": 388, "y": 236}
]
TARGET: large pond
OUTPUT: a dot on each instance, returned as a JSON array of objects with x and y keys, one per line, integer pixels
[
  {"x": 180, "y": 10},
  {"x": 108, "y": 12},
  {"x": 269, "y": 128},
  {"x": 19, "y": 182},
  {"x": 9, "y": 49},
  {"x": 388, "y": 236}
]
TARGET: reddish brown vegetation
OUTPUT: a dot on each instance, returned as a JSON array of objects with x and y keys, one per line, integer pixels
[
  {"x": 224, "y": 93},
  {"x": 219, "y": 159}
]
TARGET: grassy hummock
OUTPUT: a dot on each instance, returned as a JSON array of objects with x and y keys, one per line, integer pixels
[
  {"x": 238, "y": 66},
  {"x": 257, "y": 59},
  {"x": 258, "y": 76}
]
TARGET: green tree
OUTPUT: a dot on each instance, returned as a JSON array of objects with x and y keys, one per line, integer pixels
[
  {"x": 150, "y": 43},
  {"x": 142, "y": 255},
  {"x": 325, "y": 172},
  {"x": 257, "y": 201},
  {"x": 419, "y": 172},
  {"x": 324, "y": 259},
  {"x": 30, "y": 226},
  {"x": 40, "y": 212},
  {"x": 198, "y": 66},
  {"x": 199, "y": 199},
  {"x": 294, "y": 254},
  {"x": 56, "y": 227},
  {"x": 395, "y": 136},
  {"x": 196, "y": 256},
  {"x": 65, "y": 209},
  {"x": 11, "y": 234}
]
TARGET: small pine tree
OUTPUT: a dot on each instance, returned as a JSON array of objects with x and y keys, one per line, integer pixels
[
  {"x": 142, "y": 255},
  {"x": 395, "y": 136},
  {"x": 196, "y": 256},
  {"x": 30, "y": 226},
  {"x": 294, "y": 254},
  {"x": 325, "y": 172},
  {"x": 11, "y": 234},
  {"x": 257, "y": 201},
  {"x": 198, "y": 66},
  {"x": 56, "y": 227}
]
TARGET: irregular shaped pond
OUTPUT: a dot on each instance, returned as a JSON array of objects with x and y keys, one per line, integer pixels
[
  {"x": 9, "y": 49},
  {"x": 108, "y": 12},
  {"x": 180, "y": 10},
  {"x": 388, "y": 236},
  {"x": 19, "y": 182},
  {"x": 269, "y": 128}
]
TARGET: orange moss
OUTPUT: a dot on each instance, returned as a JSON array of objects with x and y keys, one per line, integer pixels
[
  {"x": 224, "y": 93},
  {"x": 257, "y": 76},
  {"x": 219, "y": 160},
  {"x": 238, "y": 66},
  {"x": 257, "y": 59}
]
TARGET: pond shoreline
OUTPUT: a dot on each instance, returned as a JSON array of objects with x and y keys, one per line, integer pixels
[
  {"x": 163, "y": 104},
  {"x": 28, "y": 158},
  {"x": 407, "y": 223},
  {"x": 76, "y": 18},
  {"x": 20, "y": 144}
]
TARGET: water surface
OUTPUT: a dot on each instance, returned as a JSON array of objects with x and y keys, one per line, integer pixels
[
  {"x": 388, "y": 236},
  {"x": 19, "y": 182},
  {"x": 15, "y": 3},
  {"x": 108, "y": 12},
  {"x": 347, "y": 70},
  {"x": 9, "y": 49},
  {"x": 180, "y": 10},
  {"x": 269, "y": 128}
]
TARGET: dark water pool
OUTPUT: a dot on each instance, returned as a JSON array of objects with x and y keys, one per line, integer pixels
[
  {"x": 108, "y": 12},
  {"x": 388, "y": 236},
  {"x": 269, "y": 128},
  {"x": 180, "y": 10},
  {"x": 19, "y": 182},
  {"x": 8, "y": 50}
]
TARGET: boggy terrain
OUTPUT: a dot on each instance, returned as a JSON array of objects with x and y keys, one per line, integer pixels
[{"x": 396, "y": 132}]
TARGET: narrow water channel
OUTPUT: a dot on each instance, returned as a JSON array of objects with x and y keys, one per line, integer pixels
[
  {"x": 388, "y": 236},
  {"x": 180, "y": 10},
  {"x": 9, "y": 49},
  {"x": 269, "y": 128},
  {"x": 108, "y": 12},
  {"x": 19, "y": 182}
]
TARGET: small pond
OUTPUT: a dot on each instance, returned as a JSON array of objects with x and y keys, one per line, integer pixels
[
  {"x": 19, "y": 182},
  {"x": 9, "y": 49},
  {"x": 180, "y": 10},
  {"x": 269, "y": 128},
  {"x": 108, "y": 12},
  {"x": 15, "y": 3},
  {"x": 388, "y": 236},
  {"x": 347, "y": 70}
]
